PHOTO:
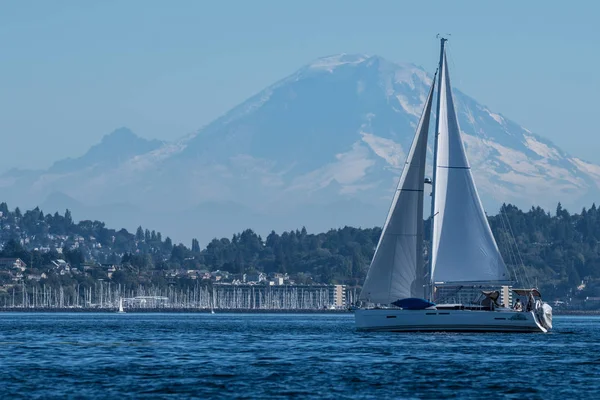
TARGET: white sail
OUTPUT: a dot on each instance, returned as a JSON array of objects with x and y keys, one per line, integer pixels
[
  {"x": 397, "y": 271},
  {"x": 464, "y": 249}
]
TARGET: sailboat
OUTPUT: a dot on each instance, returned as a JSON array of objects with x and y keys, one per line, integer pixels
[
  {"x": 121, "y": 310},
  {"x": 401, "y": 291}
]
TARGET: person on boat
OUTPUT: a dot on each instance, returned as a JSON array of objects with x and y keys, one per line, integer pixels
[
  {"x": 518, "y": 306},
  {"x": 530, "y": 302}
]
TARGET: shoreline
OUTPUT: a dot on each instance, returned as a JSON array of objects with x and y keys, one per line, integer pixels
[
  {"x": 219, "y": 311},
  {"x": 172, "y": 311}
]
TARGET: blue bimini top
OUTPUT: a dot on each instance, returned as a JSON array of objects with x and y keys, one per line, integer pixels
[{"x": 413, "y": 303}]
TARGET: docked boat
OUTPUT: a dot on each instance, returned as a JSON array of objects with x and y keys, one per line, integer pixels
[{"x": 403, "y": 293}]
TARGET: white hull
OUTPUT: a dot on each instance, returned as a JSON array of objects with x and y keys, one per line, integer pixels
[
  {"x": 121, "y": 310},
  {"x": 398, "y": 320}
]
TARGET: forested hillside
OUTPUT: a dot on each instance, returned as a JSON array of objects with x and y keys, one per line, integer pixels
[{"x": 560, "y": 252}]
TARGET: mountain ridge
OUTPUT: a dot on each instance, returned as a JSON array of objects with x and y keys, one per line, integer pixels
[{"x": 337, "y": 129}]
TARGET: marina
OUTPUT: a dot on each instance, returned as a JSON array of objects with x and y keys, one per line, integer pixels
[{"x": 200, "y": 298}]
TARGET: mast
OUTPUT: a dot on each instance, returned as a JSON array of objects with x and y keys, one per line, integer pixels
[
  {"x": 464, "y": 250},
  {"x": 435, "y": 150}
]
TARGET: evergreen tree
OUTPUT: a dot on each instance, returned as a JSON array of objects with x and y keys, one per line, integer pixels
[
  {"x": 179, "y": 253},
  {"x": 195, "y": 246},
  {"x": 168, "y": 246},
  {"x": 68, "y": 217},
  {"x": 139, "y": 234}
]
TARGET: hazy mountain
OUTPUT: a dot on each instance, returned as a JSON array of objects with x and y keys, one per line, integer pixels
[
  {"x": 321, "y": 148},
  {"x": 116, "y": 147}
]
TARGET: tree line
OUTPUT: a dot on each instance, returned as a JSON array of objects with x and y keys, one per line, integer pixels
[{"x": 554, "y": 252}]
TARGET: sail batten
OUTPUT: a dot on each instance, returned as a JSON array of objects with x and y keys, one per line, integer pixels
[
  {"x": 397, "y": 269},
  {"x": 463, "y": 247}
]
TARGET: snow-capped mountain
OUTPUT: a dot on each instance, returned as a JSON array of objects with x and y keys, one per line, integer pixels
[{"x": 321, "y": 148}]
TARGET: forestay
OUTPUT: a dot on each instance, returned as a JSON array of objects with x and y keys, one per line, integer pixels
[
  {"x": 397, "y": 270},
  {"x": 464, "y": 249}
]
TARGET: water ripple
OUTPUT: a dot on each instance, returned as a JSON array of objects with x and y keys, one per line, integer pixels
[{"x": 253, "y": 356}]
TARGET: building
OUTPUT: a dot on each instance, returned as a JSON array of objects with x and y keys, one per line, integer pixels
[
  {"x": 506, "y": 296},
  {"x": 61, "y": 265},
  {"x": 279, "y": 278},
  {"x": 12, "y": 263},
  {"x": 35, "y": 277},
  {"x": 337, "y": 296},
  {"x": 256, "y": 277}
]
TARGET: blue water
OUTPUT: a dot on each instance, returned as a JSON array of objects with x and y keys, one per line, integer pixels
[{"x": 278, "y": 356}]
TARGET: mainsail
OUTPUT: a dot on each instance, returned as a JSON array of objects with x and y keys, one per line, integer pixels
[
  {"x": 397, "y": 270},
  {"x": 464, "y": 249}
]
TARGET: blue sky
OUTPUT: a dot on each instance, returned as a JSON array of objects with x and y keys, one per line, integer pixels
[{"x": 72, "y": 71}]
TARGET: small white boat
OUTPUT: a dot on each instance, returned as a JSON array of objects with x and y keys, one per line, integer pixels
[
  {"x": 121, "y": 310},
  {"x": 399, "y": 290}
]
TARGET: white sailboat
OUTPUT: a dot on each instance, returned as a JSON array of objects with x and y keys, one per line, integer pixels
[
  {"x": 399, "y": 291},
  {"x": 121, "y": 310}
]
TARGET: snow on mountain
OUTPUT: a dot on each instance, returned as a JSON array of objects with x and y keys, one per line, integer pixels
[
  {"x": 330, "y": 63},
  {"x": 322, "y": 147}
]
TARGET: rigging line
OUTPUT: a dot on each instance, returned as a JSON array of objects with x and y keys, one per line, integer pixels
[
  {"x": 522, "y": 264},
  {"x": 515, "y": 264},
  {"x": 513, "y": 258},
  {"x": 456, "y": 76},
  {"x": 523, "y": 278},
  {"x": 505, "y": 249},
  {"x": 528, "y": 281}
]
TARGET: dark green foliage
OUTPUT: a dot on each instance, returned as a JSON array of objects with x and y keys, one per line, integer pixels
[
  {"x": 73, "y": 257},
  {"x": 139, "y": 234},
  {"x": 179, "y": 253},
  {"x": 195, "y": 246},
  {"x": 168, "y": 245},
  {"x": 558, "y": 251},
  {"x": 58, "y": 232},
  {"x": 340, "y": 255},
  {"x": 555, "y": 253},
  {"x": 12, "y": 248}
]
